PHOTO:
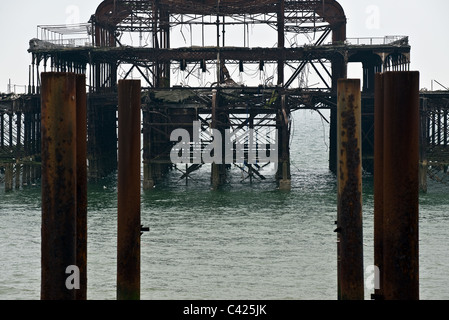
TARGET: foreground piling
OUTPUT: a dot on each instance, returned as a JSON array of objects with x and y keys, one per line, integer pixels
[
  {"x": 401, "y": 186},
  {"x": 129, "y": 227},
  {"x": 378, "y": 180},
  {"x": 58, "y": 243},
  {"x": 81, "y": 185},
  {"x": 349, "y": 215}
]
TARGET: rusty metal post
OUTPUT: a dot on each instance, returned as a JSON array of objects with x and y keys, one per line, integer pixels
[
  {"x": 129, "y": 228},
  {"x": 18, "y": 153},
  {"x": 58, "y": 247},
  {"x": 26, "y": 147},
  {"x": 378, "y": 180},
  {"x": 401, "y": 186},
  {"x": 423, "y": 163},
  {"x": 284, "y": 159},
  {"x": 81, "y": 185},
  {"x": 11, "y": 126},
  {"x": 349, "y": 214},
  {"x": 217, "y": 170},
  {"x": 9, "y": 173},
  {"x": 148, "y": 180},
  {"x": 215, "y": 174}
]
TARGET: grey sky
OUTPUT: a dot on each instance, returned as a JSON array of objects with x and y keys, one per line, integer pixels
[{"x": 426, "y": 27}]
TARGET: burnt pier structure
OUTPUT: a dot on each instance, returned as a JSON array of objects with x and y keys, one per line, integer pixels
[{"x": 233, "y": 66}]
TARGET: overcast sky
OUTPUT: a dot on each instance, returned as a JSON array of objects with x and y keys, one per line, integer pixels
[{"x": 427, "y": 27}]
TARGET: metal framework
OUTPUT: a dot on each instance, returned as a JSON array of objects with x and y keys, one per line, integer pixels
[
  {"x": 231, "y": 63},
  {"x": 435, "y": 135}
]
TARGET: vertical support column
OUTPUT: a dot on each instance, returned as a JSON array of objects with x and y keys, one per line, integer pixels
[
  {"x": 26, "y": 147},
  {"x": 218, "y": 169},
  {"x": 445, "y": 136},
  {"x": 18, "y": 168},
  {"x": 33, "y": 86},
  {"x": 438, "y": 112},
  {"x": 349, "y": 213},
  {"x": 378, "y": 182},
  {"x": 284, "y": 150},
  {"x": 109, "y": 139},
  {"x": 445, "y": 127},
  {"x": 281, "y": 39},
  {"x": 29, "y": 79},
  {"x": 58, "y": 184},
  {"x": 29, "y": 146},
  {"x": 434, "y": 129},
  {"x": 11, "y": 125},
  {"x": 401, "y": 186},
  {"x": 252, "y": 152},
  {"x": 148, "y": 180},
  {"x": 163, "y": 72},
  {"x": 92, "y": 144},
  {"x": 339, "y": 71},
  {"x": 9, "y": 172},
  {"x": 128, "y": 233},
  {"x": 81, "y": 185},
  {"x": 2, "y": 132},
  {"x": 423, "y": 146},
  {"x": 37, "y": 137},
  {"x": 18, "y": 153},
  {"x": 36, "y": 132},
  {"x": 215, "y": 167}
]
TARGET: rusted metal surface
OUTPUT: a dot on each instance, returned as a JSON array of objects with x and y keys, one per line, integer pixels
[
  {"x": 378, "y": 178},
  {"x": 58, "y": 243},
  {"x": 9, "y": 172},
  {"x": 81, "y": 185},
  {"x": 157, "y": 21},
  {"x": 129, "y": 227},
  {"x": 423, "y": 133},
  {"x": 401, "y": 186},
  {"x": 284, "y": 173},
  {"x": 112, "y": 11},
  {"x": 349, "y": 183},
  {"x": 218, "y": 170}
]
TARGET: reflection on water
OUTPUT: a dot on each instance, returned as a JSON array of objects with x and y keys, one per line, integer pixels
[{"x": 242, "y": 242}]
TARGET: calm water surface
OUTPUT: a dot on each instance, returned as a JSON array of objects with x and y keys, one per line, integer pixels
[{"x": 243, "y": 242}]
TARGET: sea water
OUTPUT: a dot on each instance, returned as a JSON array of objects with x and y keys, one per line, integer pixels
[{"x": 245, "y": 241}]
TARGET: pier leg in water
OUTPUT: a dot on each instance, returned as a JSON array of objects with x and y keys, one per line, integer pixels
[
  {"x": 378, "y": 181},
  {"x": 423, "y": 163},
  {"x": 81, "y": 185},
  {"x": 400, "y": 275},
  {"x": 148, "y": 180},
  {"x": 129, "y": 227},
  {"x": 58, "y": 246},
  {"x": 9, "y": 173},
  {"x": 284, "y": 150},
  {"x": 349, "y": 213},
  {"x": 218, "y": 170}
]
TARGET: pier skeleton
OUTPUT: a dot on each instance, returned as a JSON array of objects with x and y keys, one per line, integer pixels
[{"x": 184, "y": 51}]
